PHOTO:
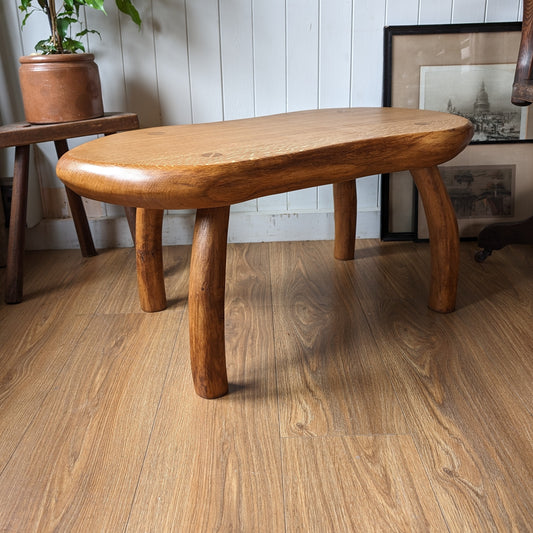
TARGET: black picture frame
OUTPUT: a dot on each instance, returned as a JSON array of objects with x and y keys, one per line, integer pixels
[{"x": 404, "y": 91}]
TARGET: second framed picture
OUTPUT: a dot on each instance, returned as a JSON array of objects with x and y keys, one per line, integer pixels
[{"x": 465, "y": 69}]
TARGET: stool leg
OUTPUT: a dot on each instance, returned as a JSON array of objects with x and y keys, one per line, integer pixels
[
  {"x": 149, "y": 254},
  {"x": 206, "y": 302},
  {"x": 78, "y": 211},
  {"x": 345, "y": 201},
  {"x": 443, "y": 238},
  {"x": 17, "y": 226}
]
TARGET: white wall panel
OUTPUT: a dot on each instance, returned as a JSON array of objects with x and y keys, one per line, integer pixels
[
  {"x": 302, "y": 54},
  {"x": 269, "y": 49},
  {"x": 468, "y": 11},
  {"x": 335, "y": 53},
  {"x": 237, "y": 59},
  {"x": 498, "y": 11},
  {"x": 432, "y": 12},
  {"x": 172, "y": 62},
  {"x": 204, "y": 60},
  {"x": 140, "y": 73},
  {"x": 405, "y": 12},
  {"x": 369, "y": 20}
]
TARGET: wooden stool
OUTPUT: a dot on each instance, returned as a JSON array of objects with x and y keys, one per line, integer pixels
[
  {"x": 22, "y": 135},
  {"x": 212, "y": 166}
]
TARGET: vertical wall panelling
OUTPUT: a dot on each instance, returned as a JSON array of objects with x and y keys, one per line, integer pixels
[
  {"x": 498, "y": 10},
  {"x": 236, "y": 47},
  {"x": 465, "y": 11},
  {"x": 335, "y": 53},
  {"x": 369, "y": 20},
  {"x": 432, "y": 12},
  {"x": 172, "y": 62},
  {"x": 302, "y": 54},
  {"x": 400, "y": 13},
  {"x": 140, "y": 71},
  {"x": 269, "y": 51},
  {"x": 204, "y": 60}
]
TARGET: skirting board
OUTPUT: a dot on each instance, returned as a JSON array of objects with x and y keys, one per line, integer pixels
[{"x": 59, "y": 234}]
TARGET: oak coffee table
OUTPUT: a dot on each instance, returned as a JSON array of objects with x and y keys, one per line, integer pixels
[{"x": 209, "y": 167}]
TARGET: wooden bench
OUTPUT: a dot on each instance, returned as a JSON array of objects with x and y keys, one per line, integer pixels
[{"x": 212, "y": 166}]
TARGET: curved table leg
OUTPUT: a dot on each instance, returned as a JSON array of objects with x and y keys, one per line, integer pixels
[
  {"x": 149, "y": 254},
  {"x": 443, "y": 238},
  {"x": 206, "y": 302},
  {"x": 345, "y": 201}
]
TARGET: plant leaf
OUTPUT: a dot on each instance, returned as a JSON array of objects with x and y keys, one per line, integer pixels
[
  {"x": 24, "y": 5},
  {"x": 63, "y": 24},
  {"x": 129, "y": 9},
  {"x": 85, "y": 32},
  {"x": 72, "y": 46},
  {"x": 96, "y": 4}
]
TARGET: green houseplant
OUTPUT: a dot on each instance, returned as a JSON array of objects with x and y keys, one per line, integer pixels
[
  {"x": 61, "y": 83},
  {"x": 61, "y": 19}
]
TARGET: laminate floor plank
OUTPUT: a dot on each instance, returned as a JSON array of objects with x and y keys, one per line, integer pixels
[
  {"x": 364, "y": 483},
  {"x": 77, "y": 466},
  {"x": 32, "y": 357},
  {"x": 474, "y": 438},
  {"x": 61, "y": 275},
  {"x": 331, "y": 380},
  {"x": 122, "y": 295},
  {"x": 215, "y": 465}
]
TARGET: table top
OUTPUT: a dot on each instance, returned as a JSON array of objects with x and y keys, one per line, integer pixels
[
  {"x": 209, "y": 165},
  {"x": 23, "y": 133}
]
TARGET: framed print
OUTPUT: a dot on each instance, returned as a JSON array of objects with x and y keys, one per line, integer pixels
[
  {"x": 499, "y": 189},
  {"x": 465, "y": 69}
]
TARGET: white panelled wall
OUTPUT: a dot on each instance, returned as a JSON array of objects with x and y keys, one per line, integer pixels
[{"x": 209, "y": 60}]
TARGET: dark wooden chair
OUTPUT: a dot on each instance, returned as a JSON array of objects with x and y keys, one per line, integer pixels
[{"x": 496, "y": 236}]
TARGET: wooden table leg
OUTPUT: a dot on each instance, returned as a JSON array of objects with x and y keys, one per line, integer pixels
[
  {"x": 149, "y": 254},
  {"x": 345, "y": 201},
  {"x": 206, "y": 302},
  {"x": 78, "y": 211},
  {"x": 443, "y": 238},
  {"x": 17, "y": 226}
]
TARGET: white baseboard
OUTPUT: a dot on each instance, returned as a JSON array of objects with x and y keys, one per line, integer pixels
[{"x": 59, "y": 234}]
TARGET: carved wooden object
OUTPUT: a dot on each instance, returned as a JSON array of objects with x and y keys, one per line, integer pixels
[{"x": 212, "y": 166}]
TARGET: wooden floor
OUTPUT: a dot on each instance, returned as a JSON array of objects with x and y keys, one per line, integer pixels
[{"x": 353, "y": 408}]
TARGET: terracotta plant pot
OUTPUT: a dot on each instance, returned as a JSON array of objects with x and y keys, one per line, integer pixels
[{"x": 60, "y": 88}]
